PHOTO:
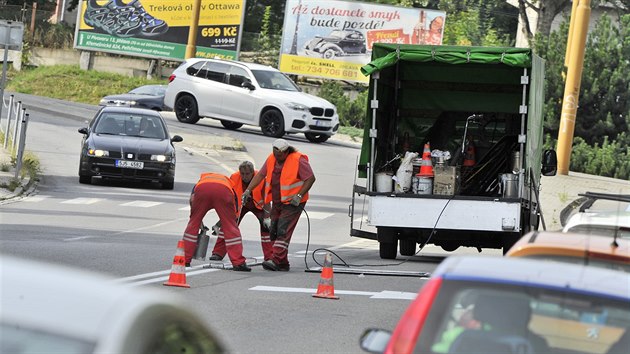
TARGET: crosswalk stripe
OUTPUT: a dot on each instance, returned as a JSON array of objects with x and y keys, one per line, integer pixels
[
  {"x": 141, "y": 204},
  {"x": 82, "y": 201}
]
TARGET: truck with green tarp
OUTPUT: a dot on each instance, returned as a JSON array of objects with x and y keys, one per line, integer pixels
[{"x": 474, "y": 117}]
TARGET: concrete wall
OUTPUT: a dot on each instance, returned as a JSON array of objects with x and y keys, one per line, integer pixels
[{"x": 137, "y": 67}]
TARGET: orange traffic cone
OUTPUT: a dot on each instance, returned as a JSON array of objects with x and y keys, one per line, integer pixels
[
  {"x": 326, "y": 288},
  {"x": 469, "y": 155},
  {"x": 178, "y": 270},
  {"x": 426, "y": 168}
]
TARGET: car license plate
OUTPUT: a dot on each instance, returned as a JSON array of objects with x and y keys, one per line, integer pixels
[
  {"x": 130, "y": 164},
  {"x": 322, "y": 123}
]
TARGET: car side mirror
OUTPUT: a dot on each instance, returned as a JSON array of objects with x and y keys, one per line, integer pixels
[
  {"x": 176, "y": 139},
  {"x": 248, "y": 85},
  {"x": 549, "y": 163},
  {"x": 374, "y": 340},
  {"x": 83, "y": 130}
]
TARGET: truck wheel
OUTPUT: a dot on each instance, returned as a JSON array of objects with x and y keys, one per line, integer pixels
[
  {"x": 449, "y": 246},
  {"x": 407, "y": 246},
  {"x": 387, "y": 242},
  {"x": 508, "y": 241},
  {"x": 387, "y": 250}
]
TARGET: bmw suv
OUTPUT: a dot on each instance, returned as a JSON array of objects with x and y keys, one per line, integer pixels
[{"x": 238, "y": 93}]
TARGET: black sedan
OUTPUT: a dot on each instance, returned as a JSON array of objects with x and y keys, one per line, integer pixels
[
  {"x": 147, "y": 96},
  {"x": 129, "y": 144}
]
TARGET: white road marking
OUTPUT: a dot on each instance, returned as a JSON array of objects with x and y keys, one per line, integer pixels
[
  {"x": 224, "y": 166},
  {"x": 152, "y": 226},
  {"x": 141, "y": 204},
  {"x": 82, "y": 201},
  {"x": 187, "y": 207},
  {"x": 35, "y": 198},
  {"x": 385, "y": 294},
  {"x": 79, "y": 238},
  {"x": 135, "y": 280},
  {"x": 363, "y": 243},
  {"x": 316, "y": 215}
]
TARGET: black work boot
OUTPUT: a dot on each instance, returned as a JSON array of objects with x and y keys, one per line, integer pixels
[{"x": 242, "y": 268}]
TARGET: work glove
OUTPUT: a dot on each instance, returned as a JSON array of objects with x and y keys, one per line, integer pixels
[
  {"x": 267, "y": 223},
  {"x": 247, "y": 195},
  {"x": 295, "y": 201}
]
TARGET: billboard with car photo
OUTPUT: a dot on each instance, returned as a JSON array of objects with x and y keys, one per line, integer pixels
[
  {"x": 159, "y": 28},
  {"x": 333, "y": 39}
]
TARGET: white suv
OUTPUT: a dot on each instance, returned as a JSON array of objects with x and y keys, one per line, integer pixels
[{"x": 238, "y": 93}]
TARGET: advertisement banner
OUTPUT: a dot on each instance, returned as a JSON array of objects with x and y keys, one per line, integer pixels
[
  {"x": 332, "y": 39},
  {"x": 159, "y": 28}
]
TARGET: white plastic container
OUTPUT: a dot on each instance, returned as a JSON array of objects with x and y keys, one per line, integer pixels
[
  {"x": 384, "y": 182},
  {"x": 422, "y": 185}
]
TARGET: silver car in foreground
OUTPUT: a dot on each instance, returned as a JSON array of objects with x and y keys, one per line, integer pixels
[{"x": 47, "y": 308}]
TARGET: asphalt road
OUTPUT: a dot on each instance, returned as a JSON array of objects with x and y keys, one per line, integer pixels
[{"x": 130, "y": 232}]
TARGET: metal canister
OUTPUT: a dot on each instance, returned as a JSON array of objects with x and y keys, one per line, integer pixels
[{"x": 516, "y": 161}]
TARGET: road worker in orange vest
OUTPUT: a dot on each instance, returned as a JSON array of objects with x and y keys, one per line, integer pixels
[
  {"x": 288, "y": 178},
  {"x": 215, "y": 191},
  {"x": 240, "y": 181}
]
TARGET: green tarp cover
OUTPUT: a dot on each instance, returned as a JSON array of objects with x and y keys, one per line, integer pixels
[
  {"x": 419, "y": 83},
  {"x": 385, "y": 55}
]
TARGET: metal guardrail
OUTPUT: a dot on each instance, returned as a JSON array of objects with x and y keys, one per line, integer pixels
[{"x": 14, "y": 130}]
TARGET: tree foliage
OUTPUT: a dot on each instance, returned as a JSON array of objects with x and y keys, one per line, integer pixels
[{"x": 601, "y": 144}]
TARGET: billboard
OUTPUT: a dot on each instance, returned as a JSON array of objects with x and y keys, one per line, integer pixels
[
  {"x": 333, "y": 39},
  {"x": 159, "y": 28}
]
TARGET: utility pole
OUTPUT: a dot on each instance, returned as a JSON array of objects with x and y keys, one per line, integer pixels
[
  {"x": 577, "y": 34},
  {"x": 191, "y": 46}
]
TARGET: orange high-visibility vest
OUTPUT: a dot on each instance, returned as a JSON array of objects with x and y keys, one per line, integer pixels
[
  {"x": 210, "y": 177},
  {"x": 237, "y": 181},
  {"x": 290, "y": 185}
]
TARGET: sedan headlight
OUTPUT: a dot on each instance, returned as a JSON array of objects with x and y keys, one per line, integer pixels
[
  {"x": 161, "y": 158},
  {"x": 98, "y": 153},
  {"x": 297, "y": 106}
]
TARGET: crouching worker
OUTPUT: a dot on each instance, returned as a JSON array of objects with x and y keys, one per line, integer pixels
[
  {"x": 214, "y": 191},
  {"x": 255, "y": 205}
]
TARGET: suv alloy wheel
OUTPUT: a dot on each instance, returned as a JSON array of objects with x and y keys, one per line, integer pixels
[
  {"x": 272, "y": 123},
  {"x": 186, "y": 109}
]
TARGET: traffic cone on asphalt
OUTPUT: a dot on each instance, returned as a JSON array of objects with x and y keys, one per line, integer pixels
[
  {"x": 426, "y": 167},
  {"x": 178, "y": 270},
  {"x": 326, "y": 288}
]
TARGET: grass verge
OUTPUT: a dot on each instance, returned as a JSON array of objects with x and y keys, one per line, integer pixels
[{"x": 73, "y": 84}]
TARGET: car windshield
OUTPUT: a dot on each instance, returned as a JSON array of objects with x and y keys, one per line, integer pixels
[
  {"x": 274, "y": 80},
  {"x": 151, "y": 90},
  {"x": 127, "y": 124},
  {"x": 473, "y": 317},
  {"x": 25, "y": 340}
]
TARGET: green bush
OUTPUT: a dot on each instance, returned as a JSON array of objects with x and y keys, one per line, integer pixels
[{"x": 351, "y": 112}]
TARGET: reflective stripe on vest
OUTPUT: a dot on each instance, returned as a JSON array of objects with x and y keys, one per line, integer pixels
[
  {"x": 290, "y": 185},
  {"x": 237, "y": 181}
]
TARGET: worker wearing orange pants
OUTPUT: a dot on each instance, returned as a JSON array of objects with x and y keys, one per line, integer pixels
[{"x": 214, "y": 191}]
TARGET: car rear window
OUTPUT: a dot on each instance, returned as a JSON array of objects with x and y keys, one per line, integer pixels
[{"x": 473, "y": 317}]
